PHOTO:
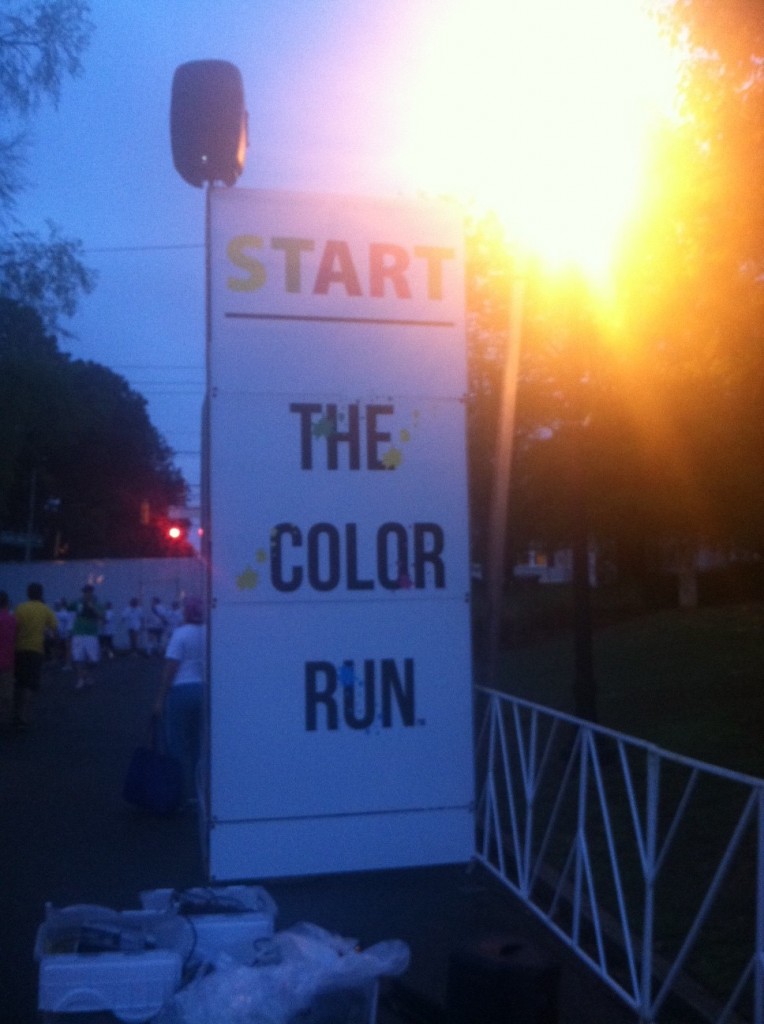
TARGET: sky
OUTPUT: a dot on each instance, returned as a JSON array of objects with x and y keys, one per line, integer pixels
[{"x": 327, "y": 86}]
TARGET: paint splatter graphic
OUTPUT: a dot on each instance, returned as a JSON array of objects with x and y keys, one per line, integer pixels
[
  {"x": 404, "y": 580},
  {"x": 324, "y": 427},
  {"x": 393, "y": 457},
  {"x": 347, "y": 676},
  {"x": 248, "y": 579}
]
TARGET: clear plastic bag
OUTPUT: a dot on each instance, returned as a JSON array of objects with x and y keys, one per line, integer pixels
[{"x": 292, "y": 968}]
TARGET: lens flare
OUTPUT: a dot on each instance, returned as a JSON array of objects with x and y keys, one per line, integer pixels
[{"x": 543, "y": 112}]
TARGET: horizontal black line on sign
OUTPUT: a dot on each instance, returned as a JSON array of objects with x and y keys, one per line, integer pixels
[{"x": 340, "y": 319}]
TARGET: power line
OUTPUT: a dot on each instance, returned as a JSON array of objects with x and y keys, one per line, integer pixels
[
  {"x": 144, "y": 248},
  {"x": 157, "y": 366},
  {"x": 169, "y": 387}
]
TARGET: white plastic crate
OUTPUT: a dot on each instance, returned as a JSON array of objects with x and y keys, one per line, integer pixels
[
  {"x": 132, "y": 986},
  {"x": 244, "y": 914},
  {"x": 95, "y": 959}
]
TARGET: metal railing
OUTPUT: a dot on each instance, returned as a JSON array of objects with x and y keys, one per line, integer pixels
[{"x": 649, "y": 865}]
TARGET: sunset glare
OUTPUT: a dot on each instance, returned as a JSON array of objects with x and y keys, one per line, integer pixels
[{"x": 543, "y": 112}]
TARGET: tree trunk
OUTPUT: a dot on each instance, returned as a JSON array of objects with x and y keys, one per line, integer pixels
[
  {"x": 687, "y": 586},
  {"x": 584, "y": 680}
]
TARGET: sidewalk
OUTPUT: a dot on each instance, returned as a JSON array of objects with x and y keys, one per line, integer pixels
[{"x": 67, "y": 837}]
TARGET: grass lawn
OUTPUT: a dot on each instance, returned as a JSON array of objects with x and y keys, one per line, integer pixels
[{"x": 690, "y": 681}]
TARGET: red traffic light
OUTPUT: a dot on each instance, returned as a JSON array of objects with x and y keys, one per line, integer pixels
[{"x": 177, "y": 529}]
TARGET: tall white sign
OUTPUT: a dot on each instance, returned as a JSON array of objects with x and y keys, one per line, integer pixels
[{"x": 340, "y": 696}]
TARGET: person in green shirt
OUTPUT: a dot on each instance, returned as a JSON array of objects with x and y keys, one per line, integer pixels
[
  {"x": 86, "y": 650},
  {"x": 35, "y": 620}
]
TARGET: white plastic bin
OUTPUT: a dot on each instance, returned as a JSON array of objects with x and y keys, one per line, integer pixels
[
  {"x": 226, "y": 920},
  {"x": 132, "y": 986},
  {"x": 95, "y": 959}
]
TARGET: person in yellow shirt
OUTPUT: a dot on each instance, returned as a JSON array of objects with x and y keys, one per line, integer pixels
[{"x": 34, "y": 621}]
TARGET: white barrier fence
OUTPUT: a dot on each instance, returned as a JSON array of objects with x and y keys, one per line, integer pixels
[{"x": 649, "y": 865}]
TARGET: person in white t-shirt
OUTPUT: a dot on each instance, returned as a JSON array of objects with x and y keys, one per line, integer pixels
[
  {"x": 174, "y": 617},
  {"x": 178, "y": 702},
  {"x": 156, "y": 626},
  {"x": 106, "y": 631},
  {"x": 132, "y": 617},
  {"x": 65, "y": 619}
]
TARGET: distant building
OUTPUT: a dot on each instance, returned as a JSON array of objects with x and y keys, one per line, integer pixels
[{"x": 552, "y": 567}]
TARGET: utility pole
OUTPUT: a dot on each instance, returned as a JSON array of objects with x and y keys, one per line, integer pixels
[
  {"x": 30, "y": 517},
  {"x": 502, "y": 477}
]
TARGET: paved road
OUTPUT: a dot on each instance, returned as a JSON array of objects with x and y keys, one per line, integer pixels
[{"x": 67, "y": 837}]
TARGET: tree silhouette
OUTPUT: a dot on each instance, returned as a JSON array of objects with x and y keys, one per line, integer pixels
[
  {"x": 80, "y": 456},
  {"x": 41, "y": 43}
]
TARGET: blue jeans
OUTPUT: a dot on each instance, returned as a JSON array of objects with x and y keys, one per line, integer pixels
[{"x": 183, "y": 729}]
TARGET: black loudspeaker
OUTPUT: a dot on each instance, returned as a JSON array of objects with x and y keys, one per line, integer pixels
[
  {"x": 208, "y": 122},
  {"x": 500, "y": 980}
]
